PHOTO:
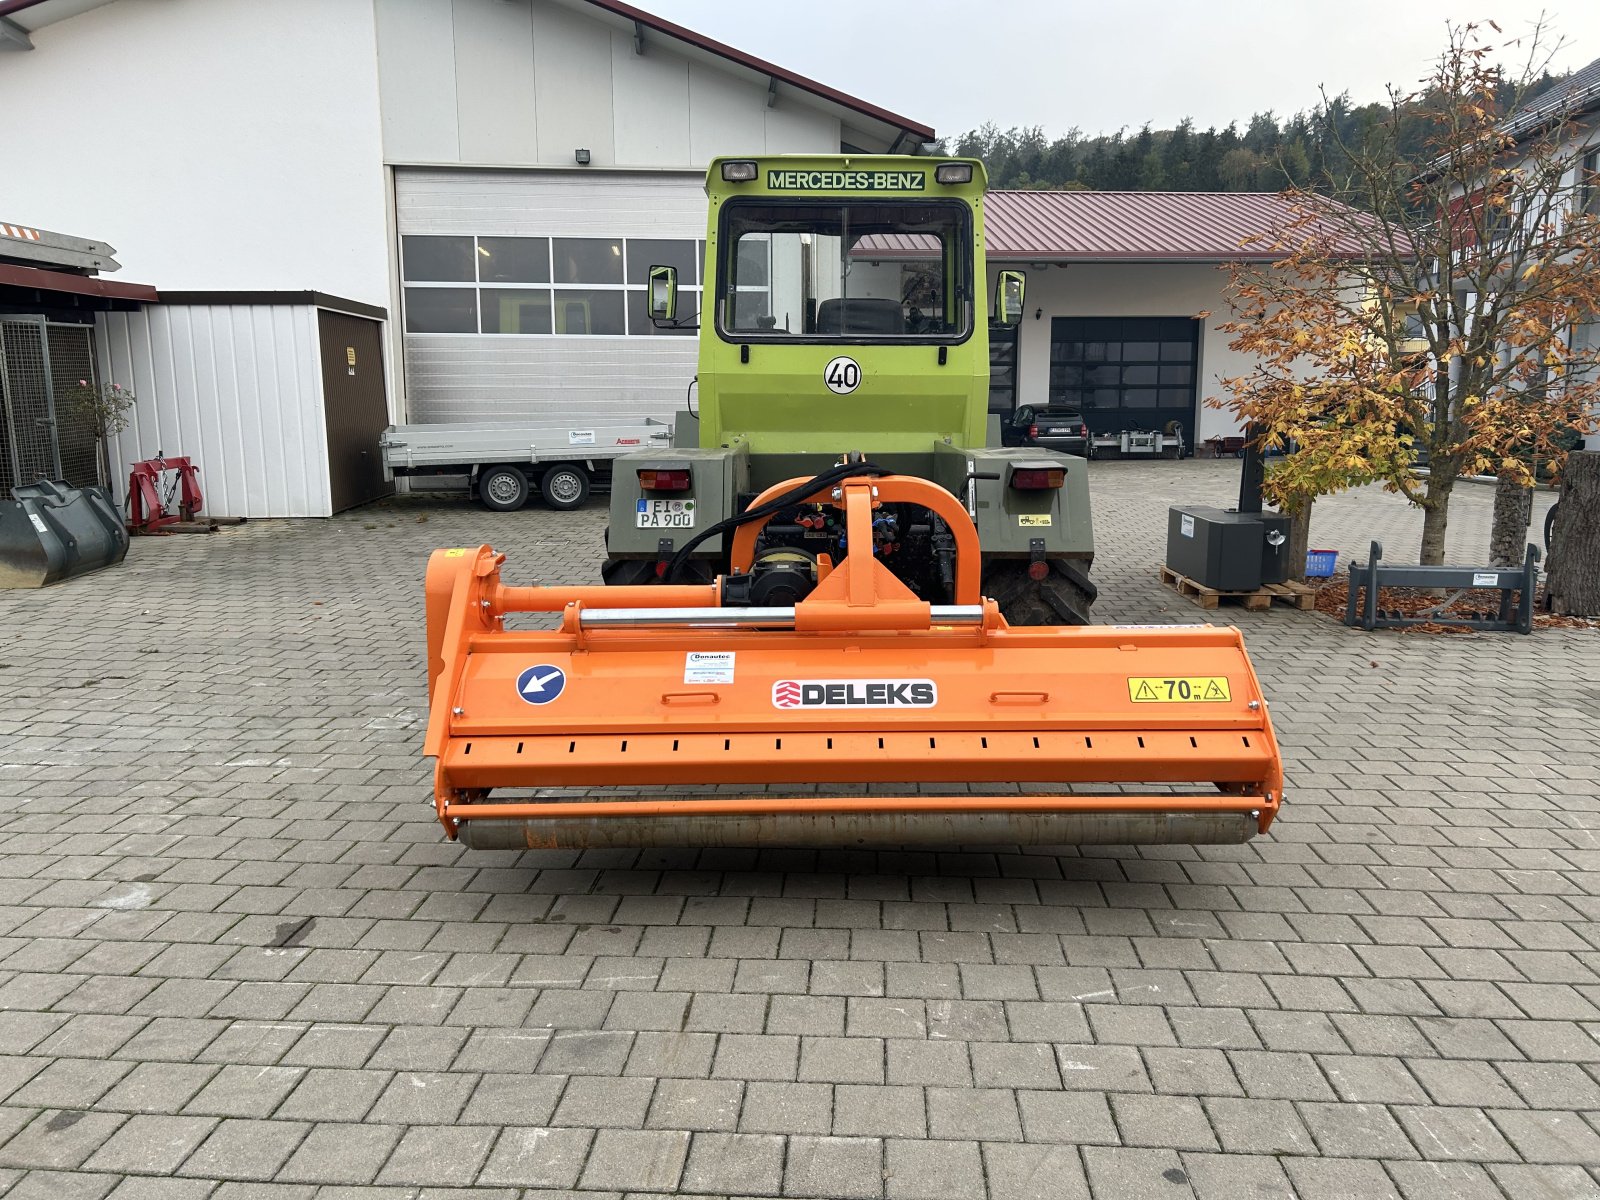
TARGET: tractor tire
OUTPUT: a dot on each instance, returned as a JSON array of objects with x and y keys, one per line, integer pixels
[
  {"x": 628, "y": 572},
  {"x": 564, "y": 487},
  {"x": 639, "y": 572},
  {"x": 1063, "y": 597},
  {"x": 503, "y": 488}
]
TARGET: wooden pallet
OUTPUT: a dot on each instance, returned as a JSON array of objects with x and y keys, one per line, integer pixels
[{"x": 1298, "y": 595}]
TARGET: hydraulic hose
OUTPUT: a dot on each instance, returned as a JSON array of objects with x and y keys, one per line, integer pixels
[{"x": 795, "y": 495}]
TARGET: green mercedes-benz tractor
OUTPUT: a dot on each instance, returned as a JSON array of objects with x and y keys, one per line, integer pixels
[{"x": 845, "y": 318}]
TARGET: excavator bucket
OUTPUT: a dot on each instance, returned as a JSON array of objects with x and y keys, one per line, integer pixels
[
  {"x": 51, "y": 531},
  {"x": 860, "y": 716}
]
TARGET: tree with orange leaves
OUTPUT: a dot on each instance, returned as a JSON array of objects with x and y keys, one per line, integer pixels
[{"x": 1422, "y": 303}]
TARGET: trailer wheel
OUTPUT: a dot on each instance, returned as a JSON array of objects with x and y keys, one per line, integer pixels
[
  {"x": 504, "y": 488},
  {"x": 1063, "y": 597},
  {"x": 565, "y": 486}
]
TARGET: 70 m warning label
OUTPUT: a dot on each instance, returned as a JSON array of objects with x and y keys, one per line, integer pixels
[{"x": 1143, "y": 690}]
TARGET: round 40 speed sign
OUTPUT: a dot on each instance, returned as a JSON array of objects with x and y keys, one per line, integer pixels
[{"x": 842, "y": 375}]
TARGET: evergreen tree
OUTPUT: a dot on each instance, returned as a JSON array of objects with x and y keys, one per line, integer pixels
[{"x": 1311, "y": 149}]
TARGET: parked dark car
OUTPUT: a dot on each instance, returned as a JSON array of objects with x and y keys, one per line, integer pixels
[{"x": 1050, "y": 427}]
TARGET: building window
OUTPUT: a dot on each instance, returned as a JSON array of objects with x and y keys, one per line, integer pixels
[
  {"x": 588, "y": 310},
  {"x": 587, "y": 260},
  {"x": 438, "y": 259},
  {"x": 1589, "y": 184},
  {"x": 515, "y": 310},
  {"x": 441, "y": 310},
  {"x": 542, "y": 286},
  {"x": 514, "y": 260}
]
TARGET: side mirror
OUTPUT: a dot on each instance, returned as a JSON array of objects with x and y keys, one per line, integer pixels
[
  {"x": 663, "y": 293},
  {"x": 1024, "y": 416},
  {"x": 1009, "y": 289}
]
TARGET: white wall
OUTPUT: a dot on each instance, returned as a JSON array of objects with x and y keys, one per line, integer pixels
[
  {"x": 217, "y": 144},
  {"x": 238, "y": 389},
  {"x": 1129, "y": 290},
  {"x": 527, "y": 82}
]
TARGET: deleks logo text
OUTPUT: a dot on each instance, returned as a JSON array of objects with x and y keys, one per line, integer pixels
[{"x": 854, "y": 693}]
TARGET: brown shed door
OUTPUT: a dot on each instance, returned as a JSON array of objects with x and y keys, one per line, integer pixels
[{"x": 355, "y": 407}]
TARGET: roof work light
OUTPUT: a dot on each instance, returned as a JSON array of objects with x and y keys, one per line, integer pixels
[
  {"x": 740, "y": 171},
  {"x": 953, "y": 172}
]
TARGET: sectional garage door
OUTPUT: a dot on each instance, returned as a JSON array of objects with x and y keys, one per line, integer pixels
[
  {"x": 522, "y": 292},
  {"x": 1126, "y": 372}
]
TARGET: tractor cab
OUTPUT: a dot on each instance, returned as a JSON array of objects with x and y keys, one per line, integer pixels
[{"x": 845, "y": 306}]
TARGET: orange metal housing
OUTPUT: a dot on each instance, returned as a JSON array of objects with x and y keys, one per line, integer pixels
[{"x": 819, "y": 711}]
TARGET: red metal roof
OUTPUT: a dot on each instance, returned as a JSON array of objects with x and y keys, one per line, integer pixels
[
  {"x": 723, "y": 50},
  {"x": 77, "y": 285},
  {"x": 1130, "y": 226}
]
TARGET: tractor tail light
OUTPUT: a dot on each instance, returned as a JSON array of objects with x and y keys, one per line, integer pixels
[
  {"x": 664, "y": 481},
  {"x": 1038, "y": 570},
  {"x": 1035, "y": 479}
]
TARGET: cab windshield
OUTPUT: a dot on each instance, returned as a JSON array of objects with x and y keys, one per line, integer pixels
[{"x": 847, "y": 272}]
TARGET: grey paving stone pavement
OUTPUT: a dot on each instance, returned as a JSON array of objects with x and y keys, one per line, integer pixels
[{"x": 238, "y": 961}]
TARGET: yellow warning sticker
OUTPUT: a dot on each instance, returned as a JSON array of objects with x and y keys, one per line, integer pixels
[
  {"x": 459, "y": 552},
  {"x": 1175, "y": 691},
  {"x": 1033, "y": 519}
]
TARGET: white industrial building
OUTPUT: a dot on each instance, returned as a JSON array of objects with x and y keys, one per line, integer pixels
[
  {"x": 363, "y": 211},
  {"x": 483, "y": 179}
]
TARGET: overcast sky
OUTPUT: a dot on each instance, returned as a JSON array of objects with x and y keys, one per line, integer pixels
[{"x": 1102, "y": 66}]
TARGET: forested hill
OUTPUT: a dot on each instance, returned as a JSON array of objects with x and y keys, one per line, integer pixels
[{"x": 1268, "y": 155}]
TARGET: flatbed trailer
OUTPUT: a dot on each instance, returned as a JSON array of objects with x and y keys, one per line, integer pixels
[
  {"x": 506, "y": 463},
  {"x": 1131, "y": 443}
]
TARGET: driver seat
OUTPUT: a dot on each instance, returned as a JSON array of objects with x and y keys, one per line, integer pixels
[{"x": 843, "y": 315}]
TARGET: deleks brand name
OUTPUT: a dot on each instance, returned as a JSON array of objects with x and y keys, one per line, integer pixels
[
  {"x": 846, "y": 181},
  {"x": 854, "y": 693}
]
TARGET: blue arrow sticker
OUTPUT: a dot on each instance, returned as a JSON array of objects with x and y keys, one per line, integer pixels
[{"x": 541, "y": 684}]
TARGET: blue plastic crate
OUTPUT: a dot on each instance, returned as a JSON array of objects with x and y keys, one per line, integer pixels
[{"x": 1320, "y": 563}]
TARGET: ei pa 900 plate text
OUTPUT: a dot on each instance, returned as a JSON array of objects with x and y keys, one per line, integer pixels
[{"x": 665, "y": 514}]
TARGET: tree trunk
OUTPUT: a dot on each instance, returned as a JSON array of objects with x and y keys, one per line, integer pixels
[
  {"x": 1435, "y": 520},
  {"x": 1573, "y": 584},
  {"x": 1513, "y": 510},
  {"x": 1443, "y": 471},
  {"x": 1299, "y": 537}
]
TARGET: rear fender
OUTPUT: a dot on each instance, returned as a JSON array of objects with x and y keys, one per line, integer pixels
[
  {"x": 718, "y": 476},
  {"x": 1009, "y": 520}
]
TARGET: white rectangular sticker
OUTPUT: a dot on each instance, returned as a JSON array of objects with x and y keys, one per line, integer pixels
[
  {"x": 1186, "y": 525},
  {"x": 580, "y": 437},
  {"x": 704, "y": 666},
  {"x": 855, "y": 693},
  {"x": 665, "y": 514},
  {"x": 38, "y": 523},
  {"x": 1486, "y": 579}
]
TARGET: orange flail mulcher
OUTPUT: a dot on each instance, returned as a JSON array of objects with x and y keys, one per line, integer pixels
[{"x": 861, "y": 686}]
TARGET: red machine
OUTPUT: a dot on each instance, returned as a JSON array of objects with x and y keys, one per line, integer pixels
[{"x": 149, "y": 502}]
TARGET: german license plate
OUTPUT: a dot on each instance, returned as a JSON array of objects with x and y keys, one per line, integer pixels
[
  {"x": 666, "y": 514},
  {"x": 1060, "y": 432}
]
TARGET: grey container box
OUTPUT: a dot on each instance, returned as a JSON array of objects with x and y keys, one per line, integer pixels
[{"x": 1228, "y": 551}]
